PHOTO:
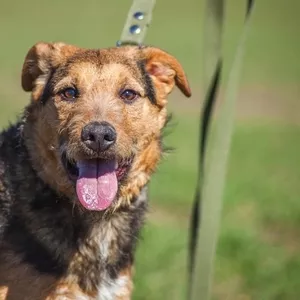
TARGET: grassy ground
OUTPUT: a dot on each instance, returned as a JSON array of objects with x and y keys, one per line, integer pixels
[
  {"x": 258, "y": 252},
  {"x": 257, "y": 255}
]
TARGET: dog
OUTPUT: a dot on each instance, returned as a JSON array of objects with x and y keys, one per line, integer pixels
[{"x": 75, "y": 166}]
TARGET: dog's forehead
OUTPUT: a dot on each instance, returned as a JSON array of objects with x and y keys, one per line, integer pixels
[
  {"x": 104, "y": 63},
  {"x": 101, "y": 57}
]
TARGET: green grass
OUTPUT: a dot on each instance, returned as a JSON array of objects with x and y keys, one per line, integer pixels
[
  {"x": 258, "y": 248},
  {"x": 257, "y": 255},
  {"x": 273, "y": 46}
]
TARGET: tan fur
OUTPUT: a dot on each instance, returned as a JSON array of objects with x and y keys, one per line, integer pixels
[
  {"x": 3, "y": 292},
  {"x": 99, "y": 77},
  {"x": 99, "y": 85}
]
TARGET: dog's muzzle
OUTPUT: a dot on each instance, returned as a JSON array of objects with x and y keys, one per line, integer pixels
[{"x": 97, "y": 180}]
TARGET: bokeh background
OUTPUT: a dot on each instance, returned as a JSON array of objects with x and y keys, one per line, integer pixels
[{"x": 258, "y": 250}]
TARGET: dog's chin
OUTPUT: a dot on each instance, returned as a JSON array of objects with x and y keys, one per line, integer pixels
[{"x": 97, "y": 180}]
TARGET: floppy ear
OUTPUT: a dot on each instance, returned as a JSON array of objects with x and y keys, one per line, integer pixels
[
  {"x": 165, "y": 72},
  {"x": 40, "y": 60}
]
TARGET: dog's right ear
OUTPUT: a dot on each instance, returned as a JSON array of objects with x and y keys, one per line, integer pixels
[{"x": 40, "y": 60}]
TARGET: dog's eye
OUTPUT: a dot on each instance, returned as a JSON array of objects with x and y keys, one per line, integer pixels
[
  {"x": 129, "y": 95},
  {"x": 69, "y": 94}
]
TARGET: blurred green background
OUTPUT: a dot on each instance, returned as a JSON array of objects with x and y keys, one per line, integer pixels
[{"x": 258, "y": 251}]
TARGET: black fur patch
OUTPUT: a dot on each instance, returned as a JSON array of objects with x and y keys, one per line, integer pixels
[
  {"x": 31, "y": 250},
  {"x": 126, "y": 256},
  {"x": 167, "y": 129},
  {"x": 148, "y": 84},
  {"x": 47, "y": 91}
]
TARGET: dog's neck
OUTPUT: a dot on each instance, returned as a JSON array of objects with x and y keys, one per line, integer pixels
[{"x": 109, "y": 247}]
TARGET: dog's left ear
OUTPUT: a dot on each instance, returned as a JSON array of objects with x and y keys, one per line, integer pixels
[{"x": 165, "y": 72}]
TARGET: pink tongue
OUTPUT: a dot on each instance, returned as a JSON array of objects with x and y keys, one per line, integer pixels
[{"x": 97, "y": 184}]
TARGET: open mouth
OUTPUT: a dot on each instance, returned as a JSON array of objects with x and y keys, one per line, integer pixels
[{"x": 97, "y": 180}]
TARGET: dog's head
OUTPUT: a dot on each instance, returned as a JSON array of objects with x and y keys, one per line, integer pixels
[{"x": 96, "y": 117}]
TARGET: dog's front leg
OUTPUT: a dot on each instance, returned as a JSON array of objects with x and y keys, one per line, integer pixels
[
  {"x": 66, "y": 291},
  {"x": 119, "y": 288},
  {"x": 114, "y": 289}
]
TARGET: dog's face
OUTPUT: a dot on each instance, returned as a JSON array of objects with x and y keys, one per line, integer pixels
[{"x": 96, "y": 117}]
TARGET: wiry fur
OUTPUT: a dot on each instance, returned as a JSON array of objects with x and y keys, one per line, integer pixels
[{"x": 50, "y": 246}]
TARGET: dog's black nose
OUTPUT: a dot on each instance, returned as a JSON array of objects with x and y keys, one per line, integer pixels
[{"x": 98, "y": 136}]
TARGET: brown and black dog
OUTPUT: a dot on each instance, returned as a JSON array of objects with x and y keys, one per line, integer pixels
[{"x": 74, "y": 169}]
